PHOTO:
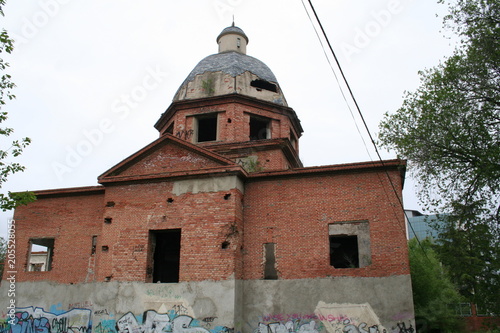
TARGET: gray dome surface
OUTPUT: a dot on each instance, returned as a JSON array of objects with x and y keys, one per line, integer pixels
[{"x": 234, "y": 64}]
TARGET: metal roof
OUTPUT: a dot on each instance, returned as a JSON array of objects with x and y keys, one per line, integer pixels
[{"x": 234, "y": 64}]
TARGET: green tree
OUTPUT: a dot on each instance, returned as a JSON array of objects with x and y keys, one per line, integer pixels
[
  {"x": 449, "y": 131},
  {"x": 14, "y": 148},
  {"x": 470, "y": 250},
  {"x": 433, "y": 292}
]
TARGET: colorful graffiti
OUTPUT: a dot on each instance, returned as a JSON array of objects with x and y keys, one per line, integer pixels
[
  {"x": 312, "y": 323},
  {"x": 36, "y": 320},
  {"x": 174, "y": 321}
]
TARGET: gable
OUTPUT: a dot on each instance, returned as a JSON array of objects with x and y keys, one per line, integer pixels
[{"x": 166, "y": 155}]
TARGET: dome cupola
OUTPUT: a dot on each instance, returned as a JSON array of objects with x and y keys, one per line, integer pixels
[
  {"x": 231, "y": 71},
  {"x": 232, "y": 39}
]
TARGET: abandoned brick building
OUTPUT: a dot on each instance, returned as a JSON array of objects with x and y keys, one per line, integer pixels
[{"x": 217, "y": 226}]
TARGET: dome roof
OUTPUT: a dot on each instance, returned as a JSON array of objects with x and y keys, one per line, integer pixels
[
  {"x": 231, "y": 71},
  {"x": 232, "y": 30},
  {"x": 234, "y": 64}
]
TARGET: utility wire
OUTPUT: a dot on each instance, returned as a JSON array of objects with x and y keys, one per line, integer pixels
[{"x": 356, "y": 104}]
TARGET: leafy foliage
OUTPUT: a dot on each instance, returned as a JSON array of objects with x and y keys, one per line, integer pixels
[
  {"x": 449, "y": 128},
  {"x": 449, "y": 131},
  {"x": 433, "y": 292},
  {"x": 16, "y": 147},
  {"x": 470, "y": 249}
]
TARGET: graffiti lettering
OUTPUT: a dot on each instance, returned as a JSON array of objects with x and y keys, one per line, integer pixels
[
  {"x": 103, "y": 312},
  {"x": 184, "y": 134},
  {"x": 180, "y": 309},
  {"x": 289, "y": 327},
  {"x": 401, "y": 328},
  {"x": 30, "y": 320}
]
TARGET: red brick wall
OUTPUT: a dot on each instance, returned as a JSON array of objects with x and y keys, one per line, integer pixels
[
  {"x": 205, "y": 220},
  {"x": 168, "y": 158},
  {"x": 71, "y": 221},
  {"x": 295, "y": 213},
  {"x": 234, "y": 119}
]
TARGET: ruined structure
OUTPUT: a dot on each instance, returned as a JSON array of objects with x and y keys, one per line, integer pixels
[{"x": 216, "y": 226}]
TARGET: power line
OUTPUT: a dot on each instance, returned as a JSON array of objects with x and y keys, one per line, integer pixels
[{"x": 355, "y": 103}]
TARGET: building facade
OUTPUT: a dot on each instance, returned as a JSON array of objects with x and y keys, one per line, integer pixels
[{"x": 217, "y": 227}]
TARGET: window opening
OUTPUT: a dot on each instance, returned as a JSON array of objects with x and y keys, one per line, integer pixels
[
  {"x": 166, "y": 250},
  {"x": 344, "y": 251},
  {"x": 270, "y": 272},
  {"x": 207, "y": 128},
  {"x": 94, "y": 244},
  {"x": 40, "y": 254},
  {"x": 261, "y": 84},
  {"x": 259, "y": 128}
]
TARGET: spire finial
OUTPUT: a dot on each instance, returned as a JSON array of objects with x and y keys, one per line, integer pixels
[{"x": 233, "y": 21}]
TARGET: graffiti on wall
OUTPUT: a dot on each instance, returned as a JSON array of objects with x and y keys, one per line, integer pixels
[
  {"x": 36, "y": 320},
  {"x": 176, "y": 320},
  {"x": 336, "y": 326},
  {"x": 290, "y": 326}
]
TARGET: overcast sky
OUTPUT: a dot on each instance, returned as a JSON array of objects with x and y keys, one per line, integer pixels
[{"x": 93, "y": 76}]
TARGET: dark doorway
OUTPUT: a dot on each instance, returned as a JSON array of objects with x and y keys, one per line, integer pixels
[
  {"x": 166, "y": 246},
  {"x": 344, "y": 251}
]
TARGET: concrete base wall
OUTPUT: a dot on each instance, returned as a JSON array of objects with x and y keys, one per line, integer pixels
[{"x": 309, "y": 305}]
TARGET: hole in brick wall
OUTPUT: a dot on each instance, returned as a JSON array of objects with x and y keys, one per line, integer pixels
[
  {"x": 344, "y": 251},
  {"x": 41, "y": 252},
  {"x": 259, "y": 128},
  {"x": 105, "y": 248},
  {"x": 108, "y": 220},
  {"x": 225, "y": 245},
  {"x": 270, "y": 272},
  {"x": 170, "y": 200},
  {"x": 207, "y": 128},
  {"x": 165, "y": 252},
  {"x": 110, "y": 204},
  {"x": 227, "y": 196},
  {"x": 94, "y": 244},
  {"x": 229, "y": 120},
  {"x": 108, "y": 278}
]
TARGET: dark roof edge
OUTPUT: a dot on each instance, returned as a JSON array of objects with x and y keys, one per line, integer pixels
[
  {"x": 85, "y": 190},
  {"x": 335, "y": 168}
]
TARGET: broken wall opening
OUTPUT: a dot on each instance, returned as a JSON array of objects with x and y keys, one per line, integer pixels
[
  {"x": 259, "y": 128},
  {"x": 166, "y": 250},
  {"x": 262, "y": 84},
  {"x": 344, "y": 251},
  {"x": 349, "y": 244},
  {"x": 270, "y": 271},
  {"x": 206, "y": 128},
  {"x": 40, "y": 254}
]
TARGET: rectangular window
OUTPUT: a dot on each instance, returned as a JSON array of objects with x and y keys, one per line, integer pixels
[
  {"x": 344, "y": 251},
  {"x": 165, "y": 254},
  {"x": 259, "y": 128},
  {"x": 270, "y": 272},
  {"x": 206, "y": 127},
  {"x": 94, "y": 245},
  {"x": 349, "y": 244},
  {"x": 40, "y": 254}
]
